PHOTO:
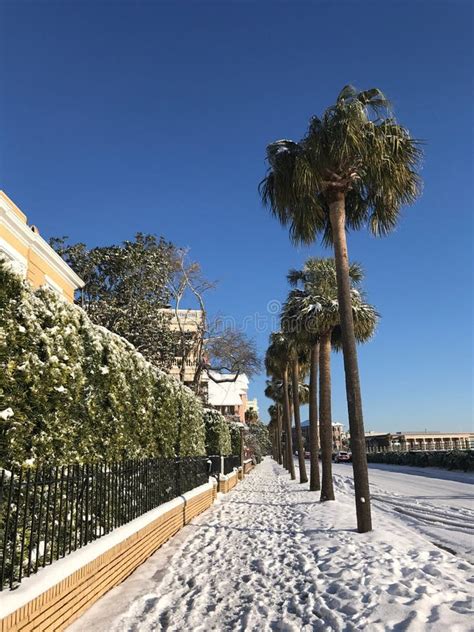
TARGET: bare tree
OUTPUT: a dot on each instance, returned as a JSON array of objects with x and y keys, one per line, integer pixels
[
  {"x": 187, "y": 279},
  {"x": 212, "y": 347}
]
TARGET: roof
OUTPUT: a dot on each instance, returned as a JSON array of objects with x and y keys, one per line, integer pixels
[
  {"x": 429, "y": 433},
  {"x": 226, "y": 393},
  {"x": 334, "y": 423}
]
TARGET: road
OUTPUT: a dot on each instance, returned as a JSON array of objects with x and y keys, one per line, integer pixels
[{"x": 439, "y": 504}]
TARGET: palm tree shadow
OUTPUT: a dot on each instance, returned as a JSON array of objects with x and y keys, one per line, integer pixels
[
  {"x": 287, "y": 533},
  {"x": 288, "y": 504}
]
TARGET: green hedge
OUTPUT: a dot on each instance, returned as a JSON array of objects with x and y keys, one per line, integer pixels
[
  {"x": 218, "y": 440},
  {"x": 453, "y": 460},
  {"x": 258, "y": 440},
  {"x": 235, "y": 437},
  {"x": 71, "y": 391}
]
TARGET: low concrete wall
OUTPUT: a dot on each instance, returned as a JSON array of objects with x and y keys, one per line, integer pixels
[
  {"x": 248, "y": 466},
  {"x": 227, "y": 482},
  {"x": 60, "y": 593}
]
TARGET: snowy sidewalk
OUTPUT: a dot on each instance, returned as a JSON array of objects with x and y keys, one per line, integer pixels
[{"x": 269, "y": 556}]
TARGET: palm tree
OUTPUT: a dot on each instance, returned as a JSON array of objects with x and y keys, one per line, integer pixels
[
  {"x": 278, "y": 432},
  {"x": 280, "y": 363},
  {"x": 316, "y": 309},
  {"x": 272, "y": 391},
  {"x": 355, "y": 167},
  {"x": 308, "y": 331},
  {"x": 298, "y": 357},
  {"x": 274, "y": 430},
  {"x": 314, "y": 477},
  {"x": 300, "y": 308},
  {"x": 276, "y": 363}
]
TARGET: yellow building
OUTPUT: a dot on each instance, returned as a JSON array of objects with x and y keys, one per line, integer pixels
[{"x": 30, "y": 255}]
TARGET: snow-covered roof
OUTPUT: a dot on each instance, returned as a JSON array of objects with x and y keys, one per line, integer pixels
[{"x": 226, "y": 393}]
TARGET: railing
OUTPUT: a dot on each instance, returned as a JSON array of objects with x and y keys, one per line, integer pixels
[
  {"x": 190, "y": 362},
  {"x": 231, "y": 462},
  {"x": 223, "y": 465},
  {"x": 48, "y": 512}
]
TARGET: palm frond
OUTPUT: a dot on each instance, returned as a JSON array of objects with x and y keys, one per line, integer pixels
[
  {"x": 313, "y": 309},
  {"x": 356, "y": 147}
]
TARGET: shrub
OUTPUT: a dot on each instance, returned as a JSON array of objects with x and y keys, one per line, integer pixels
[
  {"x": 218, "y": 436},
  {"x": 71, "y": 391},
  {"x": 235, "y": 437},
  {"x": 453, "y": 460},
  {"x": 258, "y": 440}
]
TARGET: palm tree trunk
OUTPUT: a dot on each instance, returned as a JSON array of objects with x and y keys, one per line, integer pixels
[
  {"x": 278, "y": 430},
  {"x": 274, "y": 438},
  {"x": 290, "y": 465},
  {"x": 314, "y": 479},
  {"x": 325, "y": 417},
  {"x": 354, "y": 400},
  {"x": 295, "y": 378}
]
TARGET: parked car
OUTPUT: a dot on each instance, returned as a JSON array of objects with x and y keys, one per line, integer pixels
[
  {"x": 343, "y": 457},
  {"x": 307, "y": 455}
]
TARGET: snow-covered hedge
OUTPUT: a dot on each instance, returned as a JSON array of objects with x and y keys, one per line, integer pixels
[
  {"x": 235, "y": 437},
  {"x": 257, "y": 440},
  {"x": 451, "y": 460},
  {"x": 72, "y": 391},
  {"x": 218, "y": 439}
]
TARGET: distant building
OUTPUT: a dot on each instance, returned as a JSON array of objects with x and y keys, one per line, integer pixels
[
  {"x": 190, "y": 321},
  {"x": 31, "y": 256},
  {"x": 338, "y": 436},
  {"x": 424, "y": 441},
  {"x": 230, "y": 398},
  {"x": 252, "y": 405}
]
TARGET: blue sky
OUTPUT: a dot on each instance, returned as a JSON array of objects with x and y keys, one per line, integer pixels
[{"x": 154, "y": 117}]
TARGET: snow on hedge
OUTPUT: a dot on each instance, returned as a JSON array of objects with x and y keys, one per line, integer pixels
[
  {"x": 218, "y": 437},
  {"x": 73, "y": 391}
]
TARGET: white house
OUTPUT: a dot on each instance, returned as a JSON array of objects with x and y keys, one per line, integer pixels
[{"x": 230, "y": 398}]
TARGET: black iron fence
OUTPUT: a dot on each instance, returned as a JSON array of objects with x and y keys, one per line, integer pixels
[
  {"x": 231, "y": 462},
  {"x": 223, "y": 465},
  {"x": 48, "y": 512}
]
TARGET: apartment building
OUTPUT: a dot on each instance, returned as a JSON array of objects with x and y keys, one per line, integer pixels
[
  {"x": 188, "y": 322},
  {"x": 338, "y": 436}
]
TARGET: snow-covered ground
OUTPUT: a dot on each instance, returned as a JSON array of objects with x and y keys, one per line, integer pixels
[
  {"x": 437, "y": 503},
  {"x": 268, "y": 556}
]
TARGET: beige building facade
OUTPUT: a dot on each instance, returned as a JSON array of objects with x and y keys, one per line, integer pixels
[
  {"x": 190, "y": 322},
  {"x": 338, "y": 436},
  {"x": 424, "y": 441},
  {"x": 30, "y": 255}
]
